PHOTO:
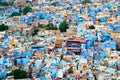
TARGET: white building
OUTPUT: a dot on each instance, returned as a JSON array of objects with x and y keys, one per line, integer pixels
[{"x": 2, "y": 34}]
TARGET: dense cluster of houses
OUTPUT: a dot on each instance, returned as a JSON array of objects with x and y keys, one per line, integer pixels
[{"x": 80, "y": 53}]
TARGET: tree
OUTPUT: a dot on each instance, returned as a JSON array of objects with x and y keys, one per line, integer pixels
[
  {"x": 35, "y": 31},
  {"x": 15, "y": 14},
  {"x": 3, "y": 27},
  {"x": 86, "y": 1},
  {"x": 3, "y": 3},
  {"x": 40, "y": 25},
  {"x": 26, "y": 10},
  {"x": 18, "y": 74},
  {"x": 117, "y": 48},
  {"x": 54, "y": 3},
  {"x": 91, "y": 27},
  {"x": 27, "y": 1},
  {"x": 50, "y": 27},
  {"x": 63, "y": 26}
]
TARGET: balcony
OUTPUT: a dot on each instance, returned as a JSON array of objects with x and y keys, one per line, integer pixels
[{"x": 76, "y": 48}]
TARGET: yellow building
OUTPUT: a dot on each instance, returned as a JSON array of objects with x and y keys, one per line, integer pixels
[
  {"x": 114, "y": 35},
  {"x": 13, "y": 43},
  {"x": 74, "y": 21},
  {"x": 114, "y": 8}
]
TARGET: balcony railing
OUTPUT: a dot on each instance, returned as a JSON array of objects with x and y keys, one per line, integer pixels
[{"x": 73, "y": 48}]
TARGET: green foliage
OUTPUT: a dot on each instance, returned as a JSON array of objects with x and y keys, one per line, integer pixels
[
  {"x": 63, "y": 26},
  {"x": 35, "y": 31},
  {"x": 40, "y": 25},
  {"x": 26, "y": 10},
  {"x": 99, "y": 20},
  {"x": 50, "y": 27},
  {"x": 54, "y": 3},
  {"x": 27, "y": 1},
  {"x": 15, "y": 14},
  {"x": 18, "y": 74},
  {"x": 20, "y": 11},
  {"x": 3, "y": 3},
  {"x": 73, "y": 36},
  {"x": 3, "y": 27},
  {"x": 86, "y": 1},
  {"x": 117, "y": 48},
  {"x": 101, "y": 41},
  {"x": 92, "y": 27}
]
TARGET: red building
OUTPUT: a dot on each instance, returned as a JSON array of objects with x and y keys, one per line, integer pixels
[{"x": 74, "y": 45}]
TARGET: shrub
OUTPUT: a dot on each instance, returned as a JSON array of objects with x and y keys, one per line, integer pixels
[
  {"x": 86, "y": 1},
  {"x": 18, "y": 74},
  {"x": 15, "y": 14},
  {"x": 63, "y": 26},
  {"x": 26, "y": 10},
  {"x": 92, "y": 27},
  {"x": 3, "y": 27}
]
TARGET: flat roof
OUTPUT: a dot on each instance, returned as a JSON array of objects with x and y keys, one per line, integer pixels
[{"x": 76, "y": 40}]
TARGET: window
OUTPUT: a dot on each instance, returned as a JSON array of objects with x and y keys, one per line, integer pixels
[
  {"x": 78, "y": 45},
  {"x": 13, "y": 44},
  {"x": 84, "y": 67},
  {"x": 74, "y": 46},
  {"x": 69, "y": 45},
  {"x": 114, "y": 7},
  {"x": 74, "y": 68},
  {"x": 111, "y": 57},
  {"x": 102, "y": 71}
]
